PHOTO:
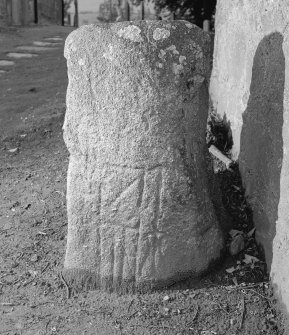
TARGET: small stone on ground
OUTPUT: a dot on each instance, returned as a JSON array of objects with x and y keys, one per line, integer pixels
[
  {"x": 44, "y": 44},
  {"x": 20, "y": 55},
  {"x": 34, "y": 48}
]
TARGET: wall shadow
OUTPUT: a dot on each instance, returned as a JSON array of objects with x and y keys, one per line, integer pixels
[{"x": 261, "y": 147}]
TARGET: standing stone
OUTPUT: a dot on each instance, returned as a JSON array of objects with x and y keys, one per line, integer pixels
[
  {"x": 139, "y": 210},
  {"x": 248, "y": 87}
]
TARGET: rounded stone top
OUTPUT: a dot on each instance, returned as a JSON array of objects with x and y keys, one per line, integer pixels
[
  {"x": 129, "y": 70},
  {"x": 179, "y": 43},
  {"x": 140, "y": 31}
]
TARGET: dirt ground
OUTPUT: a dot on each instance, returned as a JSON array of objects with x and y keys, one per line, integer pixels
[{"x": 235, "y": 299}]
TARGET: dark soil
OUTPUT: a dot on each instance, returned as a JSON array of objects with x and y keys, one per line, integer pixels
[{"x": 235, "y": 298}]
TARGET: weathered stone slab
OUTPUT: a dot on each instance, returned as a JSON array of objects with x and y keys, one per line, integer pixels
[
  {"x": 56, "y": 38},
  {"x": 45, "y": 44},
  {"x": 34, "y": 48},
  {"x": 139, "y": 211},
  {"x": 248, "y": 87},
  {"x": 4, "y": 62},
  {"x": 21, "y": 55}
]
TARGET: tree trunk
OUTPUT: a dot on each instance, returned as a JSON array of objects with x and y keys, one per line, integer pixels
[
  {"x": 76, "y": 13},
  {"x": 119, "y": 10},
  {"x": 142, "y": 10}
]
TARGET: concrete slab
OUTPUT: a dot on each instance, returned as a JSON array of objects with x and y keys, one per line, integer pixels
[
  {"x": 5, "y": 62},
  {"x": 34, "y": 48},
  {"x": 54, "y": 39},
  {"x": 44, "y": 44},
  {"x": 21, "y": 55}
]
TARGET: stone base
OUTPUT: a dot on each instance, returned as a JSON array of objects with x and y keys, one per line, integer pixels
[{"x": 79, "y": 280}]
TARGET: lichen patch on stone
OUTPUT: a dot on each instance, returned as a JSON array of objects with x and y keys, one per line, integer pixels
[
  {"x": 132, "y": 33},
  {"x": 173, "y": 49},
  {"x": 109, "y": 54},
  {"x": 160, "y": 34},
  {"x": 182, "y": 59},
  {"x": 177, "y": 68},
  {"x": 189, "y": 25},
  {"x": 81, "y": 62},
  {"x": 196, "y": 49},
  {"x": 162, "y": 53}
]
